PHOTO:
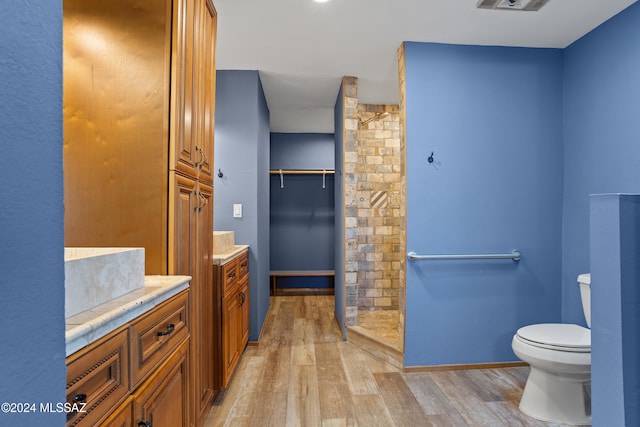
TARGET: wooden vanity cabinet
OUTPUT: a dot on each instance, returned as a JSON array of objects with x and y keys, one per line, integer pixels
[
  {"x": 233, "y": 278},
  {"x": 138, "y": 373}
]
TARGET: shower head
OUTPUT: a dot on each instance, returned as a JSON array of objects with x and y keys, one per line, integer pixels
[{"x": 372, "y": 119}]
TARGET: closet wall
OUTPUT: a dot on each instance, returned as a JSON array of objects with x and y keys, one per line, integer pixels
[{"x": 302, "y": 207}]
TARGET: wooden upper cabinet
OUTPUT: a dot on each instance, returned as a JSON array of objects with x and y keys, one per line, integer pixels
[
  {"x": 195, "y": 36},
  {"x": 207, "y": 83},
  {"x": 184, "y": 118}
]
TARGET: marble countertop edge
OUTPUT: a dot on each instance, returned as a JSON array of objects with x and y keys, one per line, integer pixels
[
  {"x": 224, "y": 257},
  {"x": 89, "y": 326}
]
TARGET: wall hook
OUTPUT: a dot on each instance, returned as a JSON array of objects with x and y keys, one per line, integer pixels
[
  {"x": 430, "y": 158},
  {"x": 220, "y": 174}
]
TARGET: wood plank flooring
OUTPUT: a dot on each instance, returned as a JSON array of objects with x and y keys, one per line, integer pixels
[{"x": 303, "y": 374}]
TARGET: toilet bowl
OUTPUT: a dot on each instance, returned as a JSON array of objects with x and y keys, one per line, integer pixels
[{"x": 559, "y": 385}]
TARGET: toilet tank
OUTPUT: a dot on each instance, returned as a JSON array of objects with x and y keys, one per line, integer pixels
[{"x": 584, "y": 281}]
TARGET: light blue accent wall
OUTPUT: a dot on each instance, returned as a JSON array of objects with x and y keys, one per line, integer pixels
[
  {"x": 242, "y": 154},
  {"x": 615, "y": 309},
  {"x": 339, "y": 288},
  {"x": 32, "y": 343},
  {"x": 601, "y": 135},
  {"x": 492, "y": 116},
  {"x": 302, "y": 151}
]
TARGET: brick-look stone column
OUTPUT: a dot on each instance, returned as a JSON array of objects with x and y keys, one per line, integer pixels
[
  {"x": 402, "y": 85},
  {"x": 350, "y": 102}
]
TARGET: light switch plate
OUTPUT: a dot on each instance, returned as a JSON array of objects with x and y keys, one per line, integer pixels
[{"x": 237, "y": 210}]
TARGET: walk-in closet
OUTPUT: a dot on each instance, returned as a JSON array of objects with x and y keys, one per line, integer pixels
[{"x": 302, "y": 213}]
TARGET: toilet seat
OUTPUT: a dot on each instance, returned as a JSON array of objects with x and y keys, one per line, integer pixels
[{"x": 557, "y": 336}]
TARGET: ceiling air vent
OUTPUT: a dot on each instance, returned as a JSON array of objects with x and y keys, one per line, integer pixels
[{"x": 527, "y": 5}]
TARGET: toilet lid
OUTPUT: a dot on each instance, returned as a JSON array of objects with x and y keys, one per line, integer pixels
[{"x": 557, "y": 335}]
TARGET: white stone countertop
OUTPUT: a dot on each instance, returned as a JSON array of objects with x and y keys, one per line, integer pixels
[
  {"x": 89, "y": 326},
  {"x": 225, "y": 257}
]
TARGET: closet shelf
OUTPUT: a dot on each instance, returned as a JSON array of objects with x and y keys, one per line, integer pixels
[{"x": 301, "y": 171}]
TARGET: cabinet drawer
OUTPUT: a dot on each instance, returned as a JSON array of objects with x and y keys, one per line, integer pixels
[
  {"x": 243, "y": 266},
  {"x": 99, "y": 377},
  {"x": 230, "y": 276},
  {"x": 156, "y": 334}
]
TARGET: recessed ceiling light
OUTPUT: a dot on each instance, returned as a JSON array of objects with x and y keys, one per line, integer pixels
[{"x": 320, "y": 1}]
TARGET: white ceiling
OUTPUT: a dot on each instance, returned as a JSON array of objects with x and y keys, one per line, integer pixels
[{"x": 303, "y": 48}]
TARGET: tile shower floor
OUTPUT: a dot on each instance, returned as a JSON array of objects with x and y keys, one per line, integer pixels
[{"x": 383, "y": 323}]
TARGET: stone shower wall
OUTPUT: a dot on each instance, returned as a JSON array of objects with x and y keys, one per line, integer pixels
[
  {"x": 350, "y": 100},
  {"x": 380, "y": 208},
  {"x": 375, "y": 199}
]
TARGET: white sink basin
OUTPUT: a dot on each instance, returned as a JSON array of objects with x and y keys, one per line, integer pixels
[{"x": 94, "y": 276}]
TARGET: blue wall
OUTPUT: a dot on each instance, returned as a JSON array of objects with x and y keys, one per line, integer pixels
[
  {"x": 492, "y": 116},
  {"x": 32, "y": 343},
  {"x": 615, "y": 314},
  {"x": 601, "y": 135},
  {"x": 302, "y": 223},
  {"x": 242, "y": 154},
  {"x": 302, "y": 213},
  {"x": 302, "y": 151},
  {"x": 339, "y": 289}
]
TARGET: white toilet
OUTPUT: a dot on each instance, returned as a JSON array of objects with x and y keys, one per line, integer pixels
[{"x": 559, "y": 385}]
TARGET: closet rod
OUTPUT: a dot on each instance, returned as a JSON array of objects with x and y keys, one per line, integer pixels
[{"x": 301, "y": 172}]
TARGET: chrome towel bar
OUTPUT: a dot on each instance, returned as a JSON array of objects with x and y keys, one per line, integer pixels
[{"x": 515, "y": 256}]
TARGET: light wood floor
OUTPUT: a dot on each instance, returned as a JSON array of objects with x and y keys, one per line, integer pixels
[{"x": 303, "y": 374}]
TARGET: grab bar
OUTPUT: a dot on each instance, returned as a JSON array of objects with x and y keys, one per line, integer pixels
[{"x": 515, "y": 256}]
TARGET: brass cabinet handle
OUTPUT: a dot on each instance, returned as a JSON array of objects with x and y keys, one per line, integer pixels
[
  {"x": 144, "y": 423},
  {"x": 231, "y": 275}
]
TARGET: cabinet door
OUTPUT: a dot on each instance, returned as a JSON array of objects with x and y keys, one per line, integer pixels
[
  {"x": 182, "y": 224},
  {"x": 245, "y": 309},
  {"x": 231, "y": 334},
  {"x": 163, "y": 400},
  {"x": 204, "y": 343},
  {"x": 206, "y": 90},
  {"x": 121, "y": 417},
  {"x": 183, "y": 153}
]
